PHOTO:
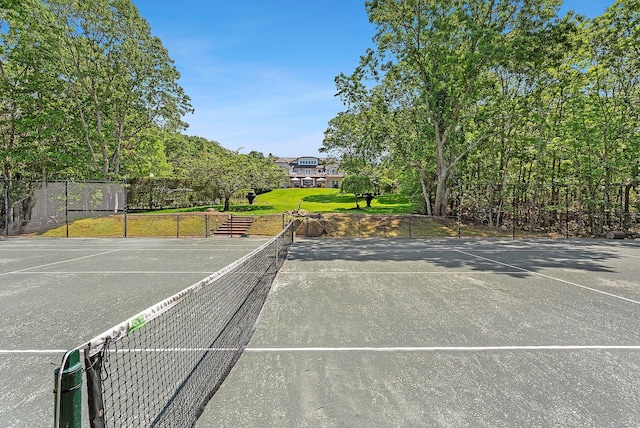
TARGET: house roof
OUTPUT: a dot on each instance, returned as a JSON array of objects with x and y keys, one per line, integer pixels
[{"x": 286, "y": 160}]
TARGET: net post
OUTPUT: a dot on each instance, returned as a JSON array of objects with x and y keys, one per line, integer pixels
[{"x": 68, "y": 392}]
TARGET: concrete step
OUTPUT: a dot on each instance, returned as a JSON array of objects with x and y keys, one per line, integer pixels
[{"x": 236, "y": 226}]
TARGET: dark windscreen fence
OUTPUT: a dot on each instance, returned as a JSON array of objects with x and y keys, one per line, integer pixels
[
  {"x": 161, "y": 367},
  {"x": 35, "y": 207}
]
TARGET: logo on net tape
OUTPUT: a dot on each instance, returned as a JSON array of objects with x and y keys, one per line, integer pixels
[{"x": 137, "y": 323}]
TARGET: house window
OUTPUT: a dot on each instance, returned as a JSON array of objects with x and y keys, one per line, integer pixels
[
  {"x": 296, "y": 170},
  {"x": 307, "y": 171},
  {"x": 308, "y": 162}
]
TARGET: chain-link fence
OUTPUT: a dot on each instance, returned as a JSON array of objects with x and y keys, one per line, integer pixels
[
  {"x": 34, "y": 207},
  {"x": 491, "y": 210}
]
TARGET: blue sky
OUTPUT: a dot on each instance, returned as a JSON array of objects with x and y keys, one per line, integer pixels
[{"x": 260, "y": 73}]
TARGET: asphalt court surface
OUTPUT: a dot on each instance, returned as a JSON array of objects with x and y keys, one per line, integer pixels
[
  {"x": 56, "y": 294},
  {"x": 360, "y": 332},
  {"x": 397, "y": 333}
]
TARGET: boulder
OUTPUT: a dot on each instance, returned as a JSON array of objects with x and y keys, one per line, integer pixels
[
  {"x": 616, "y": 234},
  {"x": 327, "y": 227},
  {"x": 310, "y": 227}
]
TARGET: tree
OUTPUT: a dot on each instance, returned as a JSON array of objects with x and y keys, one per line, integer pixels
[
  {"x": 438, "y": 55},
  {"x": 614, "y": 92},
  {"x": 31, "y": 102},
  {"x": 28, "y": 51},
  {"x": 357, "y": 184},
  {"x": 231, "y": 172},
  {"x": 119, "y": 78},
  {"x": 145, "y": 155}
]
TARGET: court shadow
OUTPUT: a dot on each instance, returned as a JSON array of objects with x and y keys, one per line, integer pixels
[{"x": 482, "y": 255}]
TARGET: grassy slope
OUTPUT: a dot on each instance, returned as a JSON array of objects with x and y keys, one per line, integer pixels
[
  {"x": 271, "y": 205},
  {"x": 274, "y": 202},
  {"x": 329, "y": 200},
  {"x": 314, "y": 201}
]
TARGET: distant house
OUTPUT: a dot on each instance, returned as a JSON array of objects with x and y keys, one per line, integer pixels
[{"x": 310, "y": 171}]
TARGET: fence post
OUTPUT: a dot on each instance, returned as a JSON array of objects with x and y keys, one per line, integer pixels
[
  {"x": 206, "y": 225},
  {"x": 566, "y": 210},
  {"x": 621, "y": 226},
  {"x": 125, "y": 209},
  {"x": 7, "y": 203},
  {"x": 66, "y": 205},
  {"x": 459, "y": 209},
  {"x": 177, "y": 225},
  {"x": 515, "y": 213}
]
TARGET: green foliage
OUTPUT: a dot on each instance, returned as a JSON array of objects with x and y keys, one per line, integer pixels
[
  {"x": 81, "y": 83},
  {"x": 357, "y": 184},
  {"x": 232, "y": 173},
  {"x": 496, "y": 92},
  {"x": 146, "y": 156}
]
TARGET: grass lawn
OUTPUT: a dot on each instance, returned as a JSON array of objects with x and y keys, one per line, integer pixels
[
  {"x": 329, "y": 200},
  {"x": 387, "y": 216},
  {"x": 314, "y": 201}
]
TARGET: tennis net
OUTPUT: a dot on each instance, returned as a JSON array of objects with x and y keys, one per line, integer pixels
[{"x": 161, "y": 367}]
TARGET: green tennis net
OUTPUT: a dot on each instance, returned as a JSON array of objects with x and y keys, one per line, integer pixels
[{"x": 161, "y": 367}]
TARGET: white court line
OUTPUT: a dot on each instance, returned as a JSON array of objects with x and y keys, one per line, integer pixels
[
  {"x": 75, "y": 249},
  {"x": 57, "y": 263},
  {"x": 448, "y": 348},
  {"x": 373, "y": 272},
  {"x": 32, "y": 351},
  {"x": 552, "y": 278},
  {"x": 112, "y": 272}
]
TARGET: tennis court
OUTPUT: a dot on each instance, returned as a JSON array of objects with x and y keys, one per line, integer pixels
[
  {"x": 58, "y": 293},
  {"x": 392, "y": 333},
  {"x": 367, "y": 332}
]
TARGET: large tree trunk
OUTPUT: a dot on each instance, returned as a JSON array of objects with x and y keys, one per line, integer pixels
[
  {"x": 425, "y": 193},
  {"x": 440, "y": 205}
]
